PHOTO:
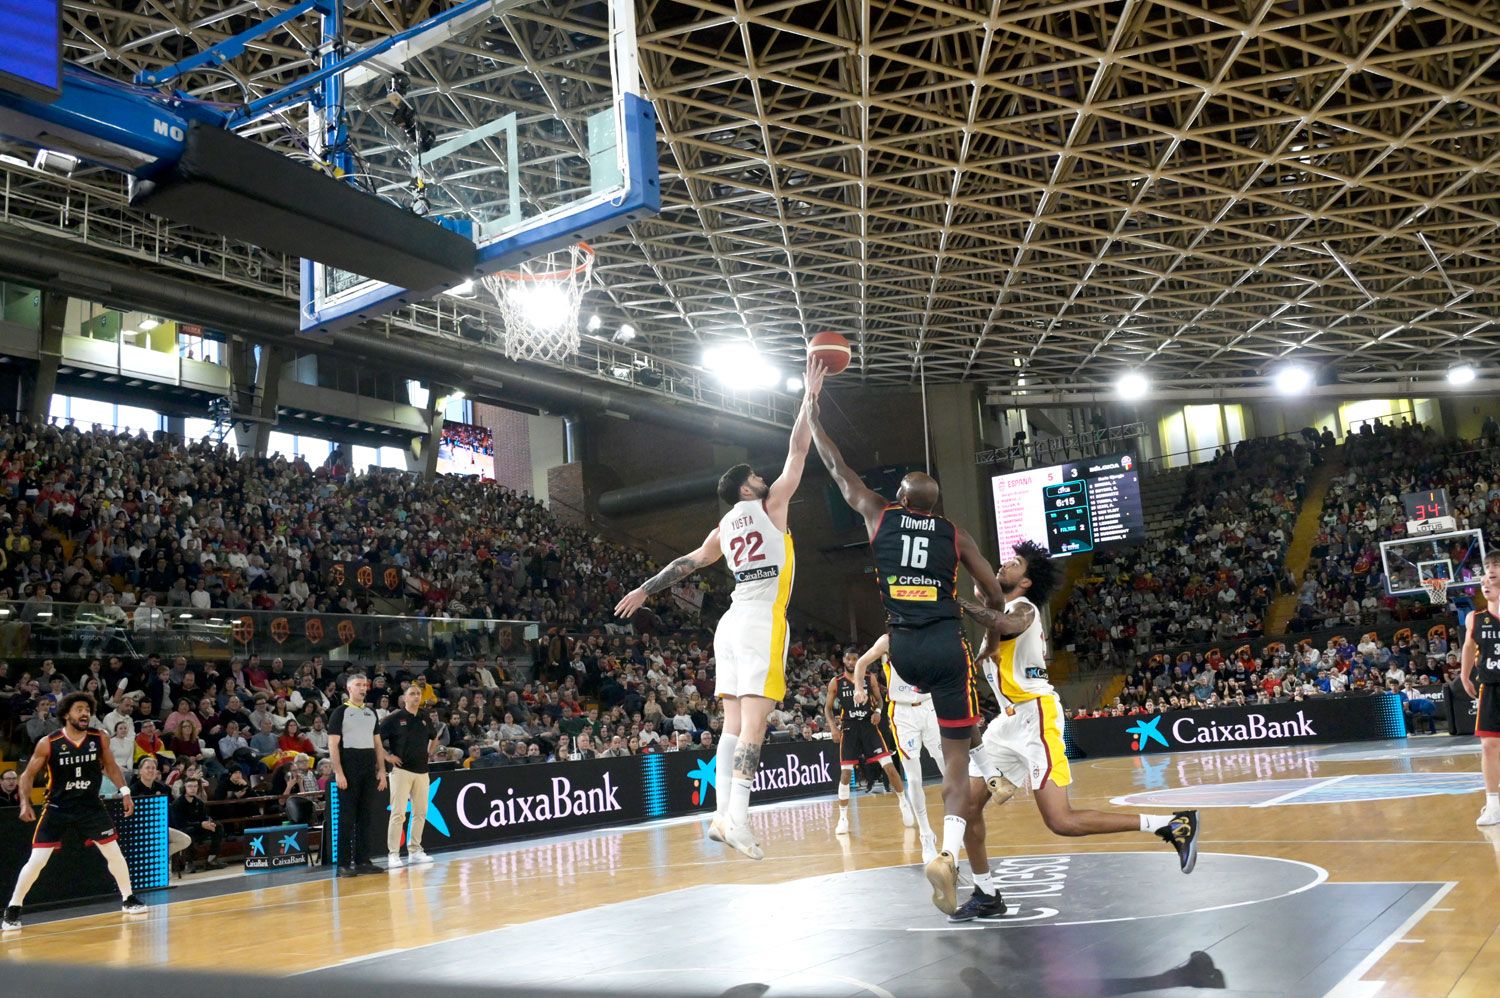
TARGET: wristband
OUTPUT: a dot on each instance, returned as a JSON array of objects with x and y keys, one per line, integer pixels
[{"x": 124, "y": 791}]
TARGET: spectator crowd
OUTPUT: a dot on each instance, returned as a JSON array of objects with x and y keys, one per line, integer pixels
[{"x": 1209, "y": 577}]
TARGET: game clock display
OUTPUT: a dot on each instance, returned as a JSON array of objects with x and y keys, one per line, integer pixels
[
  {"x": 1088, "y": 505},
  {"x": 1429, "y": 504}
]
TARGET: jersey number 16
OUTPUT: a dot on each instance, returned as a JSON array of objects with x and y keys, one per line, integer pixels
[{"x": 914, "y": 551}]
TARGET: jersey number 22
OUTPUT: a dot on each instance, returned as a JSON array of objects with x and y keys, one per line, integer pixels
[{"x": 746, "y": 549}]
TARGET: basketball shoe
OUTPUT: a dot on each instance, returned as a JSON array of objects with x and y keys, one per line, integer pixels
[
  {"x": 716, "y": 828},
  {"x": 133, "y": 906},
  {"x": 1181, "y": 833},
  {"x": 929, "y": 848},
  {"x": 740, "y": 839},
  {"x": 1489, "y": 816},
  {"x": 942, "y": 874},
  {"x": 980, "y": 905},
  {"x": 842, "y": 828},
  {"x": 1001, "y": 789},
  {"x": 12, "y": 920}
]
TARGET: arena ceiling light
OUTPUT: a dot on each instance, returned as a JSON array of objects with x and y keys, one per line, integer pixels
[
  {"x": 1461, "y": 374},
  {"x": 594, "y": 323},
  {"x": 1293, "y": 379},
  {"x": 740, "y": 365},
  {"x": 1132, "y": 385},
  {"x": 625, "y": 333}
]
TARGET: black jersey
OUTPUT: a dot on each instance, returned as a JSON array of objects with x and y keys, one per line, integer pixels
[
  {"x": 916, "y": 564},
  {"x": 75, "y": 772},
  {"x": 849, "y": 711},
  {"x": 1487, "y": 637}
]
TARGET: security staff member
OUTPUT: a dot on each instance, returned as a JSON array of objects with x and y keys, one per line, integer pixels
[
  {"x": 359, "y": 770},
  {"x": 409, "y": 737}
]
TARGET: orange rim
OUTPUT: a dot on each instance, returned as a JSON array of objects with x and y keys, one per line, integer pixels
[{"x": 551, "y": 275}]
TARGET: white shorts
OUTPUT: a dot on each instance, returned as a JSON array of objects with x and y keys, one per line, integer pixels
[
  {"x": 750, "y": 647},
  {"x": 1026, "y": 744},
  {"x": 916, "y": 727}
]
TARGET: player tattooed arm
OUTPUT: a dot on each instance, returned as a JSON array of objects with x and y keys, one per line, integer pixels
[
  {"x": 781, "y": 491},
  {"x": 984, "y": 576},
  {"x": 1468, "y": 658},
  {"x": 30, "y": 773},
  {"x": 872, "y": 655},
  {"x": 860, "y": 497},
  {"x": 829, "y": 711},
  {"x": 1006, "y": 623},
  {"x": 674, "y": 573},
  {"x": 116, "y": 776}
]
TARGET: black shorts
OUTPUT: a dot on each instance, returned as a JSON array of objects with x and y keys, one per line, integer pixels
[
  {"x": 935, "y": 658},
  {"x": 863, "y": 742},
  {"x": 1487, "y": 718},
  {"x": 93, "y": 825}
]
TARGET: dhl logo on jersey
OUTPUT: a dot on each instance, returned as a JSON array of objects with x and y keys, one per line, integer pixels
[{"x": 916, "y": 594}]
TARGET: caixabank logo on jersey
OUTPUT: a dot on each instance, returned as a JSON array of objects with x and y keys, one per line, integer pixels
[{"x": 1321, "y": 720}]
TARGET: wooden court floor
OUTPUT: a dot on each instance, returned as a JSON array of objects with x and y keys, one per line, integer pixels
[{"x": 1368, "y": 813}]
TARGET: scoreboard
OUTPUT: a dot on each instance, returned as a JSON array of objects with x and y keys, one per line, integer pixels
[
  {"x": 1088, "y": 505},
  {"x": 1428, "y": 512}
]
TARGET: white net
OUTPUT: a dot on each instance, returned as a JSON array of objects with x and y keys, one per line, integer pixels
[
  {"x": 540, "y": 302},
  {"x": 1437, "y": 591}
]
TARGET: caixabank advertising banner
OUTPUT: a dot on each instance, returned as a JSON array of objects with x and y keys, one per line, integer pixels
[
  {"x": 1307, "y": 722},
  {"x": 473, "y": 807}
]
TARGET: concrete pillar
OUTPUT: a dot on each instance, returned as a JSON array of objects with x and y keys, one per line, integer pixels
[
  {"x": 49, "y": 356},
  {"x": 435, "y": 395},
  {"x": 267, "y": 393}
]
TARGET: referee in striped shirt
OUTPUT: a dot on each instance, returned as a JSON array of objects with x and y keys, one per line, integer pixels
[{"x": 359, "y": 769}]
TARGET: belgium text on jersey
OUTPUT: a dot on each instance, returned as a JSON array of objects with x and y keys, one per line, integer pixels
[{"x": 562, "y": 802}]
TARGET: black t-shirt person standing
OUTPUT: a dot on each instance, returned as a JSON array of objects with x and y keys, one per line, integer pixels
[
  {"x": 358, "y": 758},
  {"x": 409, "y": 737}
]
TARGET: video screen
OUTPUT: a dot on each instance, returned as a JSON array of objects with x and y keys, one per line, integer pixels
[
  {"x": 1088, "y": 505},
  {"x": 466, "y": 450}
]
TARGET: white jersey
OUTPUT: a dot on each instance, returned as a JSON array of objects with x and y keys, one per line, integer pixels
[
  {"x": 759, "y": 554},
  {"x": 1018, "y": 668},
  {"x": 898, "y": 690}
]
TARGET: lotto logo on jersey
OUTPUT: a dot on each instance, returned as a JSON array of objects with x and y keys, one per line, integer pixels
[{"x": 915, "y": 594}]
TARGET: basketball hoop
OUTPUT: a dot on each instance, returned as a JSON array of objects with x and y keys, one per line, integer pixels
[
  {"x": 540, "y": 301},
  {"x": 1437, "y": 591}
]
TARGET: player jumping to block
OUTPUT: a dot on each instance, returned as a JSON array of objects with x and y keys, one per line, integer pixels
[
  {"x": 750, "y": 643},
  {"x": 1023, "y": 746}
]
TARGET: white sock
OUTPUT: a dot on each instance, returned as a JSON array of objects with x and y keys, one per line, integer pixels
[
  {"x": 28, "y": 875},
  {"x": 1151, "y": 822},
  {"x": 984, "y": 882},
  {"x": 953, "y": 834},
  {"x": 1492, "y": 800},
  {"x": 914, "y": 794},
  {"x": 724, "y": 774},
  {"x": 843, "y": 793},
  {"x": 981, "y": 760},
  {"x": 118, "y": 868},
  {"x": 739, "y": 802}
]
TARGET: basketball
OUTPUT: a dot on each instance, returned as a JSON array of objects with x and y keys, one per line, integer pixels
[{"x": 830, "y": 348}]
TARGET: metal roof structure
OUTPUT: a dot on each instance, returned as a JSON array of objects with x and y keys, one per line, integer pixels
[{"x": 1059, "y": 190}]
